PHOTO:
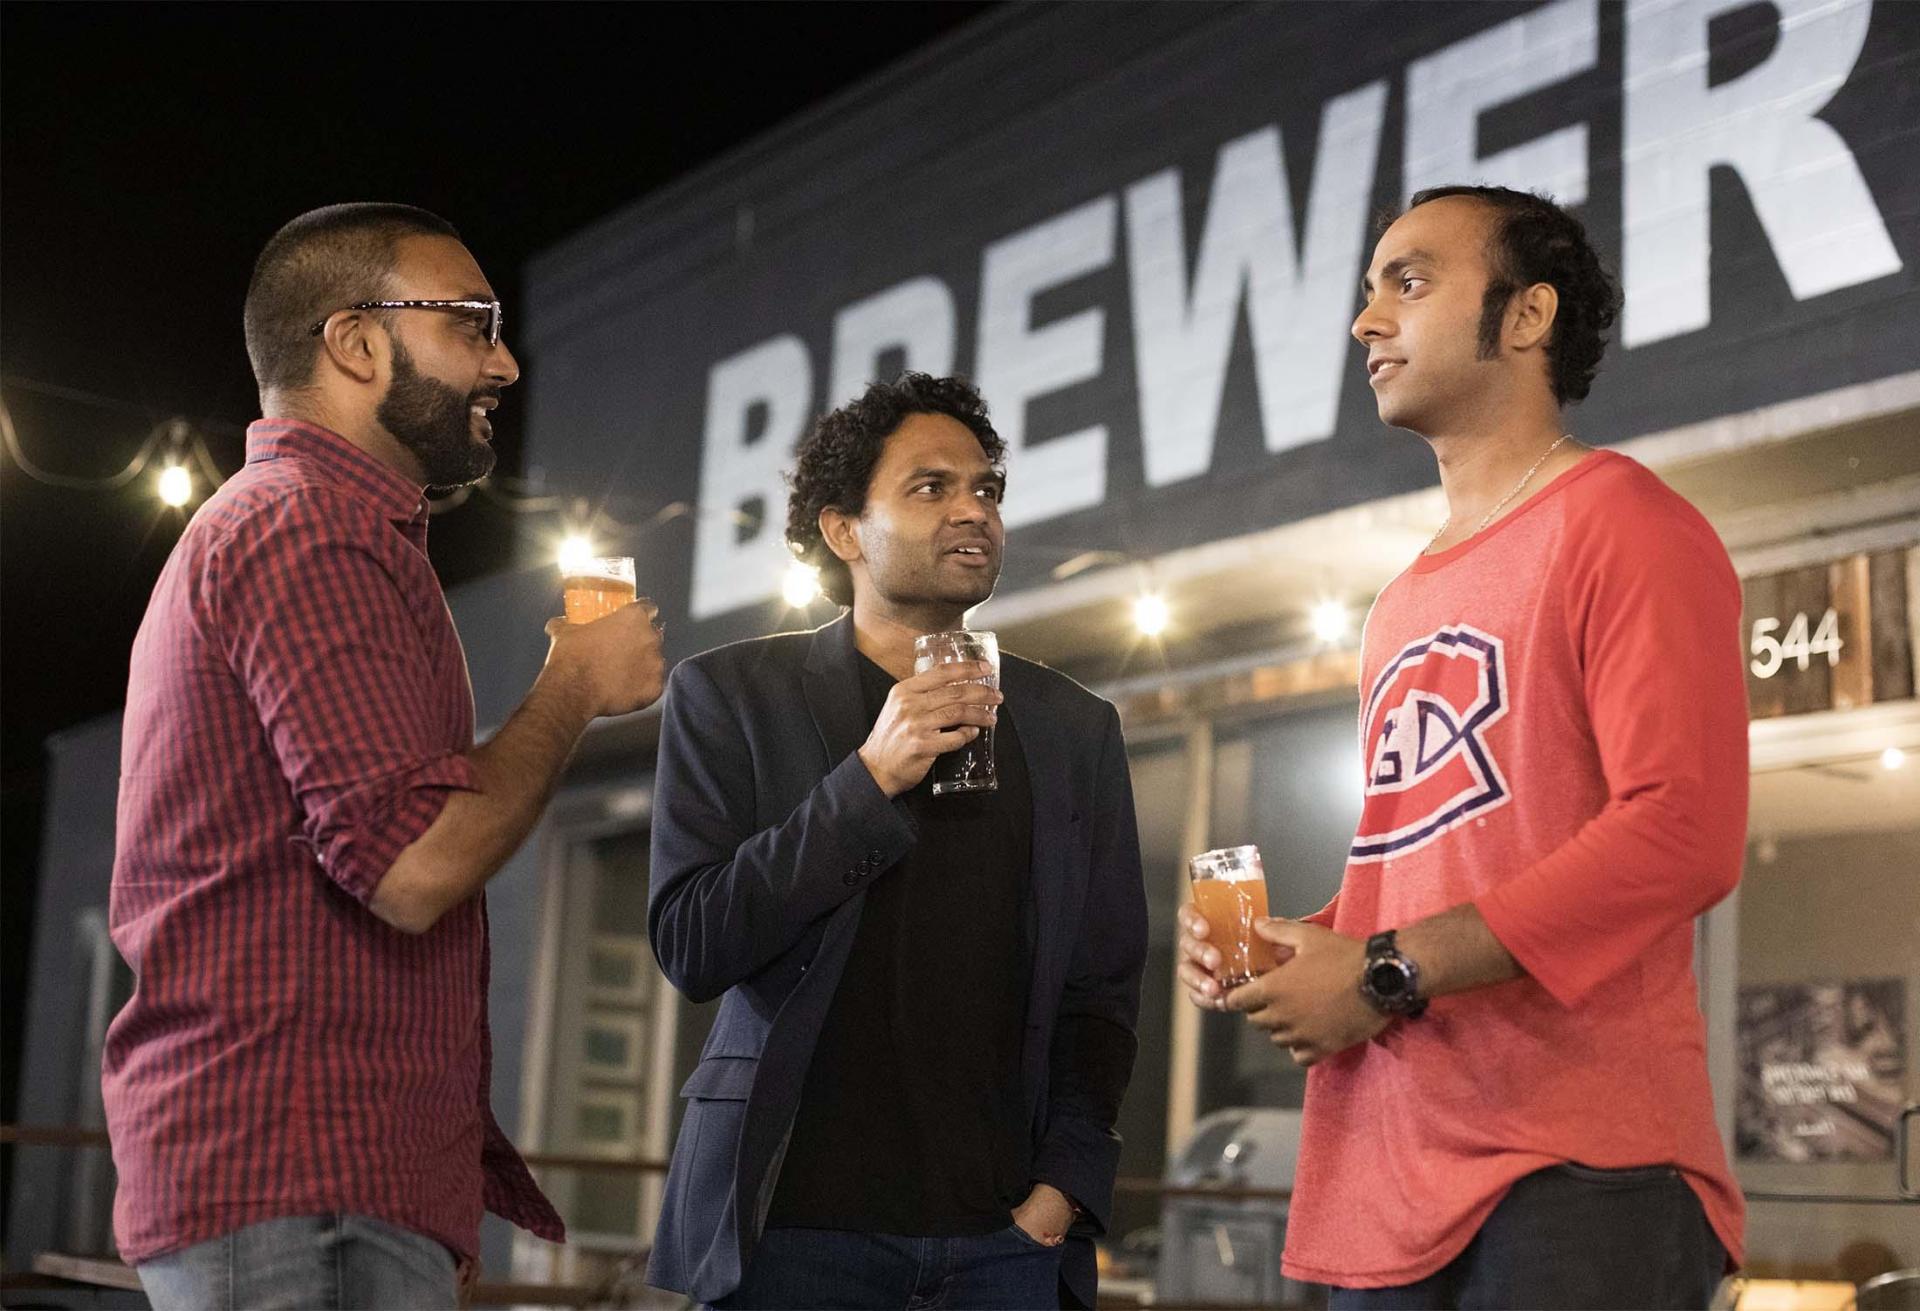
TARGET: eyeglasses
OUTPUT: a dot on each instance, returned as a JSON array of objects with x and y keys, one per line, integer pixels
[{"x": 491, "y": 307}]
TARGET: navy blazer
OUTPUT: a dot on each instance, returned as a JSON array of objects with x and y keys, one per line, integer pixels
[{"x": 767, "y": 829}]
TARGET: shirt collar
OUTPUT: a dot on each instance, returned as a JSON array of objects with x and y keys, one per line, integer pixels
[{"x": 399, "y": 497}]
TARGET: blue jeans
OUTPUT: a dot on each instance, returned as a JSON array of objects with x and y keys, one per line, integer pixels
[
  {"x": 835, "y": 1268},
  {"x": 306, "y": 1263},
  {"x": 1573, "y": 1237}
]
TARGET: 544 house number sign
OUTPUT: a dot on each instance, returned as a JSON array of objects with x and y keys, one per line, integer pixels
[
  {"x": 1831, "y": 636},
  {"x": 1773, "y": 649}
]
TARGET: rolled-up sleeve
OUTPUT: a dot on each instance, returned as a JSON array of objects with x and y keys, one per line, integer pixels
[
  {"x": 358, "y": 834},
  {"x": 316, "y": 622}
]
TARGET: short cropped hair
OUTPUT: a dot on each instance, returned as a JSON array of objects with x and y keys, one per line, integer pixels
[
  {"x": 323, "y": 261},
  {"x": 839, "y": 453},
  {"x": 1536, "y": 240}
]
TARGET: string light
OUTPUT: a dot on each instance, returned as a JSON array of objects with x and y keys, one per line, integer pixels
[
  {"x": 187, "y": 468},
  {"x": 175, "y": 455},
  {"x": 182, "y": 443},
  {"x": 174, "y": 433},
  {"x": 800, "y": 586},
  {"x": 1151, "y": 615},
  {"x": 1330, "y": 621},
  {"x": 1892, "y": 758},
  {"x": 174, "y": 485}
]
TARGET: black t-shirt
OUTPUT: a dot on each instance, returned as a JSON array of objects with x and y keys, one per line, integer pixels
[{"x": 912, "y": 1119}]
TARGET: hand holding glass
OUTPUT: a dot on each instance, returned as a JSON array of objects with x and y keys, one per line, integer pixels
[
  {"x": 969, "y": 768},
  {"x": 1230, "y": 890}
]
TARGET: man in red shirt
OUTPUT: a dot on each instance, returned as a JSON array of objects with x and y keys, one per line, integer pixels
[
  {"x": 297, "y": 1091},
  {"x": 1508, "y": 1102}
]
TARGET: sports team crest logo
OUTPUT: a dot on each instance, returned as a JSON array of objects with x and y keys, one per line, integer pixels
[{"x": 1423, "y": 735}]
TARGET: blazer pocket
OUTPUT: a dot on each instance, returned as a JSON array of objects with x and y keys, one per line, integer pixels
[
  {"x": 701, "y": 1183},
  {"x": 722, "y": 1078}
]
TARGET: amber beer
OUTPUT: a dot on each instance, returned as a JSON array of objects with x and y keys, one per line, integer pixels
[
  {"x": 596, "y": 588},
  {"x": 1230, "y": 889}
]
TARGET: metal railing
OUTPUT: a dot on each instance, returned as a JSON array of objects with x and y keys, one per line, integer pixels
[
  {"x": 60, "y": 1267},
  {"x": 30, "y": 1135},
  {"x": 54, "y": 1269}
]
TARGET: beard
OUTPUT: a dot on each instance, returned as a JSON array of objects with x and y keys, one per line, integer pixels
[
  {"x": 432, "y": 420},
  {"x": 904, "y": 574}
]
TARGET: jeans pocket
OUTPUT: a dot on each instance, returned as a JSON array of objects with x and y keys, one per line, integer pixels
[{"x": 1632, "y": 1176}]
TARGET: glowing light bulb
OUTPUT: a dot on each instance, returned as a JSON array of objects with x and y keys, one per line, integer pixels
[
  {"x": 1150, "y": 614},
  {"x": 1330, "y": 620},
  {"x": 175, "y": 485},
  {"x": 574, "y": 553},
  {"x": 1892, "y": 758},
  {"x": 800, "y": 585}
]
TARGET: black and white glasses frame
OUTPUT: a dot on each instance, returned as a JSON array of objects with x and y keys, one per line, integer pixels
[{"x": 491, "y": 308}]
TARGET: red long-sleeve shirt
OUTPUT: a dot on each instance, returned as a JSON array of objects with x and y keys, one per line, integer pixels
[
  {"x": 1554, "y": 728},
  {"x": 297, "y": 714}
]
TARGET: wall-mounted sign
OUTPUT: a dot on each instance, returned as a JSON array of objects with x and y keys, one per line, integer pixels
[
  {"x": 1830, "y": 636},
  {"x": 1822, "y": 1070},
  {"x": 1141, "y": 229}
]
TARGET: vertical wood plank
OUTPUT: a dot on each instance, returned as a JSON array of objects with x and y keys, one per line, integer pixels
[
  {"x": 1888, "y": 591},
  {"x": 1851, "y": 675}
]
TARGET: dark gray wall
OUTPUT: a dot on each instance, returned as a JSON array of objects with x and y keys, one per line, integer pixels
[
  {"x": 76, "y": 864},
  {"x": 500, "y": 621}
]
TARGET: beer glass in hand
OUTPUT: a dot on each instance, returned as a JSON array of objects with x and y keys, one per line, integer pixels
[
  {"x": 597, "y": 587},
  {"x": 1230, "y": 890},
  {"x": 971, "y": 767}
]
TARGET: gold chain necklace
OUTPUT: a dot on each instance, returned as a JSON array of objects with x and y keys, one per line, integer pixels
[{"x": 1525, "y": 478}]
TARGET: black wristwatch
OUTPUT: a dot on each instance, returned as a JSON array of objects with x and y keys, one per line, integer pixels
[{"x": 1390, "y": 981}]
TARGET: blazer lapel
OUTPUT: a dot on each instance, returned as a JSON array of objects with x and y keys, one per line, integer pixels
[
  {"x": 831, "y": 680},
  {"x": 832, "y": 683}
]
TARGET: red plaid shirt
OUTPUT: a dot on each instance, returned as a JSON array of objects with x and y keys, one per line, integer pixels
[{"x": 298, "y": 712}]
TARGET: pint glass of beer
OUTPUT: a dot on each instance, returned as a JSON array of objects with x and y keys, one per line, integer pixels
[
  {"x": 1230, "y": 889},
  {"x": 597, "y": 587},
  {"x": 970, "y": 768}
]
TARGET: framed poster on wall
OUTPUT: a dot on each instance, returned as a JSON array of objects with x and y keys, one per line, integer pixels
[{"x": 1822, "y": 1065}]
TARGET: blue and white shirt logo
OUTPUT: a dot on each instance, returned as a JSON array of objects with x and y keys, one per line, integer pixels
[{"x": 1423, "y": 736}]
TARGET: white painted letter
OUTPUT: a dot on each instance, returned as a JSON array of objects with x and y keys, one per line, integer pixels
[
  {"x": 1824, "y": 226},
  {"x": 1018, "y": 362},
  {"x": 1298, "y": 308},
  {"x": 740, "y": 466},
  {"x": 1449, "y": 91},
  {"x": 915, "y": 317}
]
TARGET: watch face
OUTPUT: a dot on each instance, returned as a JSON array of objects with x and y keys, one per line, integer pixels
[{"x": 1386, "y": 979}]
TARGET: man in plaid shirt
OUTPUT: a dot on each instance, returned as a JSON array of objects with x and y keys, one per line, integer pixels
[{"x": 297, "y": 1091}]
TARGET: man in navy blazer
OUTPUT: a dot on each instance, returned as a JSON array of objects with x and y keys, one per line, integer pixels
[{"x": 927, "y": 1003}]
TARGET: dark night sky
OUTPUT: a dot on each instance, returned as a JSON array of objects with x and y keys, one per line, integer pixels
[{"x": 148, "y": 151}]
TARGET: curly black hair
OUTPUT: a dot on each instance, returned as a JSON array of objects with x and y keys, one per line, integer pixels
[
  {"x": 1536, "y": 240},
  {"x": 837, "y": 458}
]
